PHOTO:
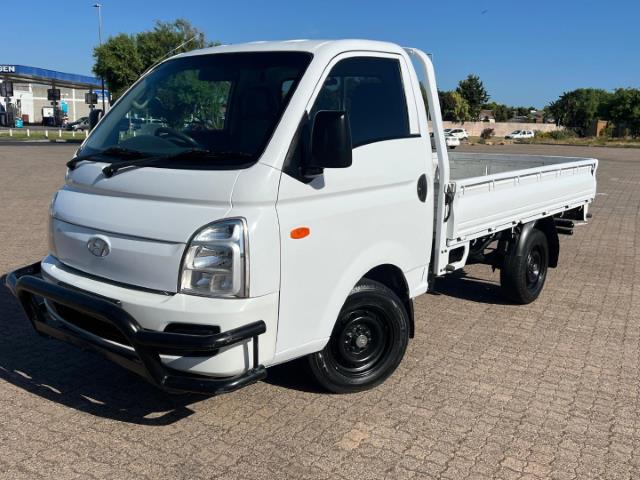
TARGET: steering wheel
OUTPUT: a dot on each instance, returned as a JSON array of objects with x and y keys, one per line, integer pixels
[
  {"x": 186, "y": 140},
  {"x": 155, "y": 100}
]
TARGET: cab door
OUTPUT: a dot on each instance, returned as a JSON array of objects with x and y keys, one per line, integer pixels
[{"x": 371, "y": 213}]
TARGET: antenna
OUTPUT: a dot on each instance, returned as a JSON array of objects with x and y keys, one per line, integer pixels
[
  {"x": 177, "y": 48},
  {"x": 169, "y": 53}
]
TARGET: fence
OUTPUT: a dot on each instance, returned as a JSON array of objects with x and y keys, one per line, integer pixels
[{"x": 42, "y": 133}]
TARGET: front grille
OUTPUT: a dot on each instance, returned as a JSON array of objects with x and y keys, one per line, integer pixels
[{"x": 90, "y": 324}]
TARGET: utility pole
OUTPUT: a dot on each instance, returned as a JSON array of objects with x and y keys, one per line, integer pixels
[{"x": 99, "y": 7}]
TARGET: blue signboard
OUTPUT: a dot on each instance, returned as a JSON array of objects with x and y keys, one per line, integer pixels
[
  {"x": 49, "y": 75},
  {"x": 102, "y": 93}
]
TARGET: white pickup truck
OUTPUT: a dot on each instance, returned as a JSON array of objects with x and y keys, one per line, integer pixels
[{"x": 246, "y": 205}]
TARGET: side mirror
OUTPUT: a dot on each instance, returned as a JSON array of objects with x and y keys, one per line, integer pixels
[
  {"x": 330, "y": 142},
  {"x": 94, "y": 117}
]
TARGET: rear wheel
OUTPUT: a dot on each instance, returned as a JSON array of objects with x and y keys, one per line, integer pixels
[
  {"x": 522, "y": 277},
  {"x": 368, "y": 341}
]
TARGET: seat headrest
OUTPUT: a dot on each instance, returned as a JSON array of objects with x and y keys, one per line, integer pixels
[{"x": 258, "y": 103}]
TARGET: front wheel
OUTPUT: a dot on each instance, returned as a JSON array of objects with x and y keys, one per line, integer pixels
[
  {"x": 368, "y": 341},
  {"x": 522, "y": 276}
]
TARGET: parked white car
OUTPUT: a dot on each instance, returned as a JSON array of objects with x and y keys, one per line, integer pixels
[
  {"x": 516, "y": 134},
  {"x": 300, "y": 225},
  {"x": 451, "y": 141},
  {"x": 460, "y": 133}
]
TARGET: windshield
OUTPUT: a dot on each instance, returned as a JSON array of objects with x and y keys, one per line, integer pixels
[{"x": 226, "y": 104}]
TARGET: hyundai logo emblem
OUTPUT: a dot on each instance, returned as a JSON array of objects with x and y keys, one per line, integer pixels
[{"x": 98, "y": 247}]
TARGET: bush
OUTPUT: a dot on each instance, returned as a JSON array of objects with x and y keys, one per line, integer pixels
[
  {"x": 556, "y": 134},
  {"x": 487, "y": 133},
  {"x": 562, "y": 134}
]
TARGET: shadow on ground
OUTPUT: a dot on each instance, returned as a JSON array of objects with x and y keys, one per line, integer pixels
[
  {"x": 79, "y": 379},
  {"x": 89, "y": 383},
  {"x": 460, "y": 285},
  {"x": 293, "y": 375},
  {"x": 86, "y": 381}
]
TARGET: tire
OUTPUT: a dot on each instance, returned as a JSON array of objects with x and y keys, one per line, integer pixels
[
  {"x": 522, "y": 277},
  {"x": 368, "y": 341}
]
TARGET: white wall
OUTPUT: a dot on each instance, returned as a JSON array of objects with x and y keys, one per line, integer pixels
[{"x": 501, "y": 128}]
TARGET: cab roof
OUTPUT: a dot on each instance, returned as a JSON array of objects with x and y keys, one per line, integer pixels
[{"x": 317, "y": 47}]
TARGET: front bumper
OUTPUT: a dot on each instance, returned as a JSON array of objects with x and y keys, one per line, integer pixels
[{"x": 142, "y": 354}]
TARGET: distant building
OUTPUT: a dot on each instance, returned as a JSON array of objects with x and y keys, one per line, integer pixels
[
  {"x": 486, "y": 116},
  {"x": 536, "y": 117},
  {"x": 519, "y": 119},
  {"x": 597, "y": 128},
  {"x": 30, "y": 95}
]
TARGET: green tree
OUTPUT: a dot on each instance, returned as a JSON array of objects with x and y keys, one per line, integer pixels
[
  {"x": 579, "y": 108},
  {"x": 524, "y": 111},
  {"x": 623, "y": 109},
  {"x": 454, "y": 107},
  {"x": 118, "y": 62},
  {"x": 155, "y": 44},
  {"x": 123, "y": 58},
  {"x": 472, "y": 90},
  {"x": 501, "y": 112}
]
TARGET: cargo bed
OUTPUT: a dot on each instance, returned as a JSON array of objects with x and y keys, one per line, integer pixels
[{"x": 495, "y": 192}]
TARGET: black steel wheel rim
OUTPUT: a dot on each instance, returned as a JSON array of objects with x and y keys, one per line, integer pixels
[
  {"x": 362, "y": 341},
  {"x": 535, "y": 268}
]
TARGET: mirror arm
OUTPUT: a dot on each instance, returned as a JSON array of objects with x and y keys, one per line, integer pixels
[
  {"x": 94, "y": 117},
  {"x": 310, "y": 173}
]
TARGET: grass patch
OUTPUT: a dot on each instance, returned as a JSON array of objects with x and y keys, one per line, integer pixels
[
  {"x": 572, "y": 141},
  {"x": 53, "y": 135},
  {"x": 491, "y": 141},
  {"x": 585, "y": 142}
]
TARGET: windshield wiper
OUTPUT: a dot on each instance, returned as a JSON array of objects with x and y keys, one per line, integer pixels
[
  {"x": 109, "y": 152},
  {"x": 110, "y": 170}
]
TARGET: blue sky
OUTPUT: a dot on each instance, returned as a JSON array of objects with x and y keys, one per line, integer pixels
[{"x": 527, "y": 53}]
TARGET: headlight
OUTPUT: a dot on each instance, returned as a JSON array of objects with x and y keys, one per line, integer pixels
[{"x": 215, "y": 263}]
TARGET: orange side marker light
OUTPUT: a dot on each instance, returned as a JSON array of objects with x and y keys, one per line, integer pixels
[{"x": 300, "y": 232}]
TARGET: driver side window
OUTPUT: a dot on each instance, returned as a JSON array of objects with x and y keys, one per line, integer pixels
[{"x": 370, "y": 90}]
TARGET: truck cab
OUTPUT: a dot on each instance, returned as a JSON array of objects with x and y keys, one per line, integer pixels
[{"x": 246, "y": 205}]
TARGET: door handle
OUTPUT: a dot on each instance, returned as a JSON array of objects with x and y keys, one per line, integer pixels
[{"x": 422, "y": 188}]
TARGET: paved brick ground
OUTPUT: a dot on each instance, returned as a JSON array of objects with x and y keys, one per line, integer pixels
[{"x": 487, "y": 389}]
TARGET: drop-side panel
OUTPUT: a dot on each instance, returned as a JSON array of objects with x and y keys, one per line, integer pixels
[{"x": 485, "y": 204}]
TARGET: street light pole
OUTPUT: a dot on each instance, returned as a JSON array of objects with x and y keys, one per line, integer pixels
[{"x": 99, "y": 7}]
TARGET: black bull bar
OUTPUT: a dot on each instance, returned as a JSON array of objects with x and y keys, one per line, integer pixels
[{"x": 143, "y": 355}]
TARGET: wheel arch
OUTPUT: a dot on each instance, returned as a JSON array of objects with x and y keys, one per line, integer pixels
[
  {"x": 393, "y": 278},
  {"x": 548, "y": 227},
  {"x": 384, "y": 262}
]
